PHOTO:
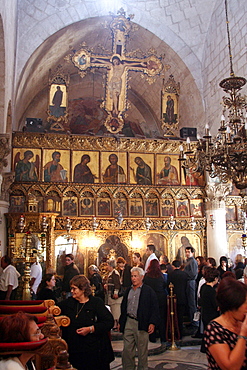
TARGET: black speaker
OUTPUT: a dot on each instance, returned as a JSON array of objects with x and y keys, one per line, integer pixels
[
  {"x": 188, "y": 132},
  {"x": 34, "y": 125}
]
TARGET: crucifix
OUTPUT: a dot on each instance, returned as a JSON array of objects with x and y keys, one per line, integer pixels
[{"x": 117, "y": 64}]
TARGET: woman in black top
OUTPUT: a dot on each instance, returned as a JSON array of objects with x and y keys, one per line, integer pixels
[
  {"x": 45, "y": 289},
  {"x": 154, "y": 278}
]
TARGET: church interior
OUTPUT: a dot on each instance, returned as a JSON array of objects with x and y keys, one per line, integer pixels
[{"x": 98, "y": 100}]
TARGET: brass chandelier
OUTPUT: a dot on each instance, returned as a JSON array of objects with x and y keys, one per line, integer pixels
[{"x": 225, "y": 155}]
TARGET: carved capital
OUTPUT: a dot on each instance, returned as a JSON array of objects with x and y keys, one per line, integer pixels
[{"x": 216, "y": 195}]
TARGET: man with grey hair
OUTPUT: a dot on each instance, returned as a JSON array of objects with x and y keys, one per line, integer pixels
[{"x": 139, "y": 316}]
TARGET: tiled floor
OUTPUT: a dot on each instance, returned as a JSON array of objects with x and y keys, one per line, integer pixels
[{"x": 186, "y": 358}]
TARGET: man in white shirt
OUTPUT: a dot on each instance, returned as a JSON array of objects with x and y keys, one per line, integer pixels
[
  {"x": 151, "y": 255},
  {"x": 8, "y": 280},
  {"x": 36, "y": 277}
]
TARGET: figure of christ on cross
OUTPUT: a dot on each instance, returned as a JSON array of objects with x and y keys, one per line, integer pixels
[
  {"x": 116, "y": 80},
  {"x": 118, "y": 67}
]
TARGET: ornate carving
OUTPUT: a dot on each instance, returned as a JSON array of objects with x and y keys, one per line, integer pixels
[
  {"x": 8, "y": 178},
  {"x": 216, "y": 195}
]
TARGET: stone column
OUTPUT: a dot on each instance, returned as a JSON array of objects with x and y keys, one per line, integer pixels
[{"x": 216, "y": 220}]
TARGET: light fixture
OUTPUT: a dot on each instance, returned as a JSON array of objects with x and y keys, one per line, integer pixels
[
  {"x": 171, "y": 222},
  {"x": 119, "y": 218},
  {"x": 95, "y": 224},
  {"x": 192, "y": 223},
  {"x": 224, "y": 156},
  {"x": 148, "y": 223}
]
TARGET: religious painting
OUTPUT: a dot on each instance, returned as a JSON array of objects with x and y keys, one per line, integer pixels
[
  {"x": 86, "y": 167},
  {"x": 231, "y": 214},
  {"x": 114, "y": 167},
  {"x": 70, "y": 206},
  {"x": 52, "y": 204},
  {"x": 86, "y": 116},
  {"x": 17, "y": 203},
  {"x": 56, "y": 166},
  {"x": 167, "y": 207},
  {"x": 191, "y": 178},
  {"x": 26, "y": 164},
  {"x": 197, "y": 207},
  {"x": 141, "y": 169},
  {"x": 87, "y": 204},
  {"x": 170, "y": 108},
  {"x": 182, "y": 208},
  {"x": 136, "y": 207},
  {"x": 57, "y": 100},
  {"x": 180, "y": 241},
  {"x": 104, "y": 205},
  {"x": 151, "y": 206},
  {"x": 120, "y": 205},
  {"x": 167, "y": 170}
]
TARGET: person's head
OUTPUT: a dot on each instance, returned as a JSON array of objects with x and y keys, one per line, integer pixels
[
  {"x": 211, "y": 262},
  {"x": 111, "y": 264},
  {"x": 20, "y": 327},
  {"x": 113, "y": 158},
  {"x": 211, "y": 274},
  {"x": 200, "y": 260},
  {"x": 163, "y": 259},
  {"x": 69, "y": 258},
  {"x": 116, "y": 61},
  {"x": 154, "y": 269},
  {"x": 223, "y": 261},
  {"x": 163, "y": 268},
  {"x": 5, "y": 261},
  {"x": 56, "y": 156},
  {"x": 239, "y": 258},
  {"x": 239, "y": 273},
  {"x": 228, "y": 274},
  {"x": 139, "y": 161},
  {"x": 48, "y": 281},
  {"x": 137, "y": 275},
  {"x": 245, "y": 275},
  {"x": 92, "y": 269},
  {"x": 176, "y": 264},
  {"x": 85, "y": 158},
  {"x": 167, "y": 161},
  {"x": 136, "y": 258},
  {"x": 80, "y": 285},
  {"x": 28, "y": 154},
  {"x": 231, "y": 295},
  {"x": 150, "y": 249},
  {"x": 121, "y": 263},
  {"x": 189, "y": 252}
]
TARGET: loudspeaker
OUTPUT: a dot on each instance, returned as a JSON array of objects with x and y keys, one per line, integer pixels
[
  {"x": 34, "y": 125},
  {"x": 188, "y": 132}
]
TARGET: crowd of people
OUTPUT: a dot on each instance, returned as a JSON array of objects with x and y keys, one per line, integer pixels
[{"x": 132, "y": 299}]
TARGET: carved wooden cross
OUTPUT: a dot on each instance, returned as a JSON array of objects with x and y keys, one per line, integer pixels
[{"x": 118, "y": 64}]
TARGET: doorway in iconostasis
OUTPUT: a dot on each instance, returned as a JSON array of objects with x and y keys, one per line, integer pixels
[
  {"x": 113, "y": 246},
  {"x": 180, "y": 240},
  {"x": 158, "y": 240},
  {"x": 65, "y": 245}
]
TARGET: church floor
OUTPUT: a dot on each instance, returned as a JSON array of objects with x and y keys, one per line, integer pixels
[{"x": 186, "y": 358}]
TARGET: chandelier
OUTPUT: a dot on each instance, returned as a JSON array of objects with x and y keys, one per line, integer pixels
[{"x": 225, "y": 155}]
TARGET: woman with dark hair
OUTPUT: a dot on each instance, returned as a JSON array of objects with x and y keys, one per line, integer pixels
[
  {"x": 223, "y": 267},
  {"x": 87, "y": 336},
  {"x": 154, "y": 278},
  {"x": 225, "y": 337},
  {"x": 20, "y": 327},
  {"x": 201, "y": 262},
  {"x": 211, "y": 262},
  {"x": 137, "y": 260},
  {"x": 45, "y": 289},
  {"x": 207, "y": 300}
]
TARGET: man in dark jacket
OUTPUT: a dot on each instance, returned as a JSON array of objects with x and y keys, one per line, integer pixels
[
  {"x": 139, "y": 316},
  {"x": 70, "y": 270},
  {"x": 179, "y": 279}
]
